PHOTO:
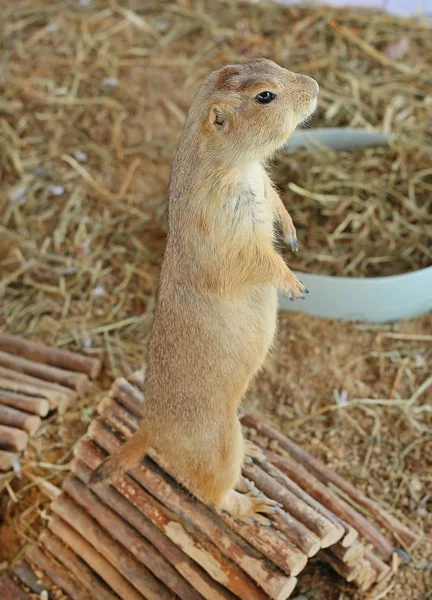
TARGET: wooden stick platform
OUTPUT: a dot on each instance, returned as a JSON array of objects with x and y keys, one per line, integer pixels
[
  {"x": 147, "y": 537},
  {"x": 35, "y": 379}
]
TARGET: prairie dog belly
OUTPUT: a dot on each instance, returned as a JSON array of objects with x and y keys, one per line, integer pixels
[
  {"x": 262, "y": 305},
  {"x": 252, "y": 321},
  {"x": 219, "y": 345}
]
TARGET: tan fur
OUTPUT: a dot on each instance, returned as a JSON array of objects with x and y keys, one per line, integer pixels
[{"x": 216, "y": 312}]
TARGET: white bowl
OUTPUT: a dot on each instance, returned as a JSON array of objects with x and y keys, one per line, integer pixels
[{"x": 376, "y": 299}]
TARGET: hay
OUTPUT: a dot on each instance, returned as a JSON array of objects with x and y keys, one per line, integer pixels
[
  {"x": 361, "y": 213},
  {"x": 92, "y": 99}
]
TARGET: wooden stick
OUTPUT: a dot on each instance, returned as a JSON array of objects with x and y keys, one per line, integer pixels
[
  {"x": 36, "y": 406},
  {"x": 13, "y": 439},
  {"x": 351, "y": 534},
  {"x": 266, "y": 540},
  {"x": 333, "y": 502},
  {"x": 137, "y": 378},
  {"x": 126, "y": 535},
  {"x": 19, "y": 419},
  {"x": 124, "y": 421},
  {"x": 350, "y": 556},
  {"x": 273, "y": 582},
  {"x": 93, "y": 558},
  {"x": 64, "y": 359},
  {"x": 56, "y": 399},
  {"x": 361, "y": 573},
  {"x": 70, "y": 379},
  {"x": 366, "y": 576},
  {"x": 46, "y": 487},
  {"x": 56, "y": 387},
  {"x": 326, "y": 475},
  {"x": 348, "y": 532},
  {"x": 327, "y": 533},
  {"x": 9, "y": 590},
  {"x": 348, "y": 573},
  {"x": 7, "y": 460},
  {"x": 296, "y": 533},
  {"x": 128, "y": 395},
  {"x": 135, "y": 572},
  {"x": 140, "y": 509},
  {"x": 57, "y": 573},
  {"x": 76, "y": 566},
  {"x": 23, "y": 571},
  {"x": 381, "y": 568}
]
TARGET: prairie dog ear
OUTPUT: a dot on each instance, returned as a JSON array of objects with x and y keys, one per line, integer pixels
[{"x": 218, "y": 118}]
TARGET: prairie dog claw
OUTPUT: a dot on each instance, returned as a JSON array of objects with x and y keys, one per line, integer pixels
[
  {"x": 253, "y": 451},
  {"x": 293, "y": 288}
]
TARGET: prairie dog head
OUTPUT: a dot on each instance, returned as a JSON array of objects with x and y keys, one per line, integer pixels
[{"x": 249, "y": 110}]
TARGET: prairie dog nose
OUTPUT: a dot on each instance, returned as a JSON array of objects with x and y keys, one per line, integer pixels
[{"x": 310, "y": 84}]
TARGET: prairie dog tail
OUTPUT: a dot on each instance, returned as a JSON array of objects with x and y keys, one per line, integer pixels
[{"x": 125, "y": 458}]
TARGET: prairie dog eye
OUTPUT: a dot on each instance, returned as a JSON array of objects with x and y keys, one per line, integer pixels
[{"x": 265, "y": 97}]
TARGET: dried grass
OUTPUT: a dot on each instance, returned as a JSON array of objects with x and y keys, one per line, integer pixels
[
  {"x": 93, "y": 96},
  {"x": 360, "y": 213}
]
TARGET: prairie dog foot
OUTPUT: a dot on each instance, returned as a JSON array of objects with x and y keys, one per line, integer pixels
[
  {"x": 293, "y": 288},
  {"x": 252, "y": 451},
  {"x": 246, "y": 486},
  {"x": 247, "y": 508}
]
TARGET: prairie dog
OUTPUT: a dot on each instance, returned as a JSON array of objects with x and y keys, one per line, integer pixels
[{"x": 215, "y": 318}]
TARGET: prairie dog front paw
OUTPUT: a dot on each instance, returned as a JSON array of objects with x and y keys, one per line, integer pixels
[
  {"x": 290, "y": 234},
  {"x": 293, "y": 288}
]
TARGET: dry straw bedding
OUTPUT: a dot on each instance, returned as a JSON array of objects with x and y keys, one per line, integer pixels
[
  {"x": 360, "y": 213},
  {"x": 93, "y": 97}
]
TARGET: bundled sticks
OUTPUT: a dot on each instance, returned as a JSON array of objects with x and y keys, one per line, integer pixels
[
  {"x": 373, "y": 556},
  {"x": 148, "y": 537},
  {"x": 35, "y": 379}
]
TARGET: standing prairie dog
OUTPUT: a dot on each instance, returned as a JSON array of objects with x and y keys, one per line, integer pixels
[{"x": 216, "y": 312}]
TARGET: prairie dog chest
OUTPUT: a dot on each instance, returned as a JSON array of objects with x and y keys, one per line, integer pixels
[{"x": 249, "y": 206}]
